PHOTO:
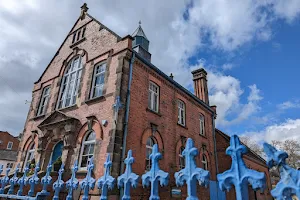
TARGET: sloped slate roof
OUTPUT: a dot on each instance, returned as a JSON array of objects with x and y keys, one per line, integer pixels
[
  {"x": 139, "y": 32},
  {"x": 8, "y": 155}
]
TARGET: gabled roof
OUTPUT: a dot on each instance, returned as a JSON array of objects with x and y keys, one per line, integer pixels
[
  {"x": 139, "y": 32},
  {"x": 55, "y": 117},
  {"x": 57, "y": 52}
]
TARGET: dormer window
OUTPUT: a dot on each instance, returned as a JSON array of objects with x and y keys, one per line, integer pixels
[{"x": 79, "y": 34}]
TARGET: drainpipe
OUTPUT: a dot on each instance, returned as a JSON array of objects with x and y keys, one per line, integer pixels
[
  {"x": 126, "y": 118},
  {"x": 215, "y": 150}
]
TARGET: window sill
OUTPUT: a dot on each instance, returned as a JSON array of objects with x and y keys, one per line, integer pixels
[
  {"x": 38, "y": 117},
  {"x": 183, "y": 126},
  {"x": 152, "y": 111},
  {"x": 78, "y": 42},
  {"x": 82, "y": 172},
  {"x": 73, "y": 107},
  {"x": 95, "y": 100},
  {"x": 203, "y": 136}
]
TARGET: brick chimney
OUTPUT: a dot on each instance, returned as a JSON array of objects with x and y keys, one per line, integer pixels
[{"x": 200, "y": 84}]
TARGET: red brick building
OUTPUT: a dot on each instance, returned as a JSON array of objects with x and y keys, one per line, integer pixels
[
  {"x": 76, "y": 114},
  {"x": 8, "y": 150}
]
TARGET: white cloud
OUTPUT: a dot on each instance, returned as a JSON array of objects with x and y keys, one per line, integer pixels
[
  {"x": 288, "y": 130},
  {"x": 227, "y": 66},
  {"x": 288, "y": 105}
]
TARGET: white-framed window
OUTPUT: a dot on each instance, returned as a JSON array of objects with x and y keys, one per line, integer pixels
[
  {"x": 70, "y": 84},
  {"x": 149, "y": 146},
  {"x": 181, "y": 158},
  {"x": 9, "y": 145},
  {"x": 181, "y": 112},
  {"x": 153, "y": 99},
  {"x": 204, "y": 162},
  {"x": 202, "y": 125},
  {"x": 30, "y": 156},
  {"x": 44, "y": 101},
  {"x": 87, "y": 149},
  {"x": 98, "y": 80}
]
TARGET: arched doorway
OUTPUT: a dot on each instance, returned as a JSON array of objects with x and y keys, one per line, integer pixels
[{"x": 57, "y": 151}]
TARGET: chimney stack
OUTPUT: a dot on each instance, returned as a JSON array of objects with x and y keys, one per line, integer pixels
[{"x": 200, "y": 84}]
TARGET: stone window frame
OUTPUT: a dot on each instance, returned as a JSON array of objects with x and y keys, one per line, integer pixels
[
  {"x": 76, "y": 86},
  {"x": 149, "y": 147},
  {"x": 95, "y": 74},
  {"x": 43, "y": 104},
  {"x": 181, "y": 112},
  {"x": 155, "y": 94},
  {"x": 85, "y": 143},
  {"x": 31, "y": 150},
  {"x": 78, "y": 34},
  {"x": 202, "y": 125},
  {"x": 9, "y": 145},
  {"x": 204, "y": 162},
  {"x": 181, "y": 158}
]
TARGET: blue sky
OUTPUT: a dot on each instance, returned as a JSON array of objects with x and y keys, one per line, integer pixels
[{"x": 250, "y": 49}]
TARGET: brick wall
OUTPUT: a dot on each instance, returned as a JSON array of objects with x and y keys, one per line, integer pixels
[
  {"x": 5, "y": 137},
  {"x": 169, "y": 133}
]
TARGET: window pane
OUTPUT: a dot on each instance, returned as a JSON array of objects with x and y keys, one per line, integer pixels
[
  {"x": 92, "y": 136},
  {"x": 84, "y": 161},
  {"x": 86, "y": 149},
  {"x": 91, "y": 151}
]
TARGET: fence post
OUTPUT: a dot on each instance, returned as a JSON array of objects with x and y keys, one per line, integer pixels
[
  {"x": 106, "y": 181},
  {"x": 23, "y": 181},
  {"x": 14, "y": 180},
  {"x": 88, "y": 182},
  {"x": 4, "y": 181},
  {"x": 239, "y": 175},
  {"x": 47, "y": 179},
  {"x": 289, "y": 183},
  {"x": 34, "y": 180},
  {"x": 59, "y": 183},
  {"x": 155, "y": 175},
  {"x": 128, "y": 178},
  {"x": 191, "y": 174},
  {"x": 72, "y": 183}
]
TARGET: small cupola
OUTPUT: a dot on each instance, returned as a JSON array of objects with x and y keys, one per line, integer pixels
[{"x": 141, "y": 43}]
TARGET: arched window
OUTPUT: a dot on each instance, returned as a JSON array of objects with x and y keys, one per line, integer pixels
[
  {"x": 181, "y": 158},
  {"x": 30, "y": 155},
  {"x": 87, "y": 149},
  {"x": 149, "y": 146},
  {"x": 204, "y": 162},
  {"x": 70, "y": 84},
  {"x": 57, "y": 151}
]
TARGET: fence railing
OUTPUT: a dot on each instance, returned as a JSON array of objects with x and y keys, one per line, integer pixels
[{"x": 238, "y": 176}]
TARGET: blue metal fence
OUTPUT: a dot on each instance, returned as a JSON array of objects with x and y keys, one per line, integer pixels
[{"x": 238, "y": 176}]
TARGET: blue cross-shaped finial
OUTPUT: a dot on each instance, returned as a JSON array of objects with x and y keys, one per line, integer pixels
[
  {"x": 34, "y": 180},
  {"x": 106, "y": 181},
  {"x": 72, "y": 183},
  {"x": 4, "y": 180},
  {"x": 88, "y": 182},
  {"x": 23, "y": 181},
  {"x": 155, "y": 175},
  {"x": 14, "y": 180},
  {"x": 128, "y": 179},
  {"x": 47, "y": 179},
  {"x": 59, "y": 183},
  {"x": 190, "y": 174},
  {"x": 289, "y": 183},
  {"x": 239, "y": 175}
]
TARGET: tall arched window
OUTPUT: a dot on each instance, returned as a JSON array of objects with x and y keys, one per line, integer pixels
[
  {"x": 87, "y": 149},
  {"x": 181, "y": 158},
  {"x": 70, "y": 83},
  {"x": 149, "y": 146},
  {"x": 204, "y": 162},
  {"x": 202, "y": 125},
  {"x": 30, "y": 155}
]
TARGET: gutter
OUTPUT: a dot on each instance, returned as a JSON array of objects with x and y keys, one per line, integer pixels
[
  {"x": 126, "y": 118},
  {"x": 215, "y": 150}
]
